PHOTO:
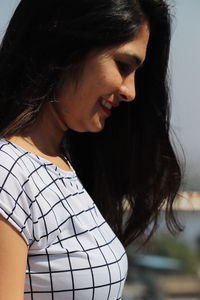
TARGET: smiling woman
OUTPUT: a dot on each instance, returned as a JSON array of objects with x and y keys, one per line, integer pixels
[
  {"x": 84, "y": 126},
  {"x": 111, "y": 81}
]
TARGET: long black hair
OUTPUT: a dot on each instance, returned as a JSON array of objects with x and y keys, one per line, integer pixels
[{"x": 129, "y": 168}]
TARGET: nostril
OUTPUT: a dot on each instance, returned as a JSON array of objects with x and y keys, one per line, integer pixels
[
  {"x": 124, "y": 97},
  {"x": 126, "y": 94}
]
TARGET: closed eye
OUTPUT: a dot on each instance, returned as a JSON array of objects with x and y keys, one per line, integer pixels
[{"x": 124, "y": 68}]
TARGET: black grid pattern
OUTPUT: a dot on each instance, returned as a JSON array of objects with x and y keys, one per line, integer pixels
[{"x": 73, "y": 253}]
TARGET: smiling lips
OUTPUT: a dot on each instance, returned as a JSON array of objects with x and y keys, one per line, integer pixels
[{"x": 107, "y": 105}]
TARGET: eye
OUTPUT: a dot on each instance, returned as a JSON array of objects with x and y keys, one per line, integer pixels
[{"x": 124, "y": 68}]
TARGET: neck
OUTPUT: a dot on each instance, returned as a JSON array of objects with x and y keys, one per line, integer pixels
[{"x": 47, "y": 134}]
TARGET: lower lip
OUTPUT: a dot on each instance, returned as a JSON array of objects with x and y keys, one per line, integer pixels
[{"x": 106, "y": 110}]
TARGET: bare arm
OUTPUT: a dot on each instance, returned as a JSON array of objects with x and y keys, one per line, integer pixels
[{"x": 13, "y": 257}]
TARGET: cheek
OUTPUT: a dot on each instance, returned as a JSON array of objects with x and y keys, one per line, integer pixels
[
  {"x": 111, "y": 81},
  {"x": 105, "y": 74}
]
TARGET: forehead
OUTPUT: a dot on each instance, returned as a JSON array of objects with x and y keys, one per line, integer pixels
[
  {"x": 133, "y": 51},
  {"x": 136, "y": 46}
]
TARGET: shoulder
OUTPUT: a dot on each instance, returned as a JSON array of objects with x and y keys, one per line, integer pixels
[
  {"x": 11, "y": 162},
  {"x": 9, "y": 153}
]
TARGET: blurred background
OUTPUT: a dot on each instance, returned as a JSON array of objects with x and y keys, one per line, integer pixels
[{"x": 168, "y": 267}]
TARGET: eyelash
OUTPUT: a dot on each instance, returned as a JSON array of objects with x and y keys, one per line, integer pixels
[{"x": 124, "y": 68}]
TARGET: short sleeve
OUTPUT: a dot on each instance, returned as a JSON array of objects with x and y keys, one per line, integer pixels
[{"x": 14, "y": 201}]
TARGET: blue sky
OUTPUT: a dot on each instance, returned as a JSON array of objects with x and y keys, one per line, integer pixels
[{"x": 185, "y": 71}]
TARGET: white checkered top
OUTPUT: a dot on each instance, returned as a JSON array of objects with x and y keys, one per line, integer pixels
[{"x": 73, "y": 253}]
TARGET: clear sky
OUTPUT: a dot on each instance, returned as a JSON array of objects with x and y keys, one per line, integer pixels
[{"x": 185, "y": 71}]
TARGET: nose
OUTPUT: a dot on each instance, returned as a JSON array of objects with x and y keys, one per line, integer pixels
[{"x": 127, "y": 91}]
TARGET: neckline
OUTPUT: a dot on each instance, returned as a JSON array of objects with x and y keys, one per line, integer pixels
[{"x": 46, "y": 162}]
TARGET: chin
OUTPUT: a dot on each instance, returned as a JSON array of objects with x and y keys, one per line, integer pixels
[
  {"x": 90, "y": 127},
  {"x": 92, "y": 130},
  {"x": 97, "y": 127}
]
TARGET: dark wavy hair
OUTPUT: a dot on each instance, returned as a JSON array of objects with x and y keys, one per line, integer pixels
[{"x": 129, "y": 168}]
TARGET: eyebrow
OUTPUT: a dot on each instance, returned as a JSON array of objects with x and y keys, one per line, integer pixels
[{"x": 135, "y": 59}]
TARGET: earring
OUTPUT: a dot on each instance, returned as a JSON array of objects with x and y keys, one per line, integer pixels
[{"x": 53, "y": 99}]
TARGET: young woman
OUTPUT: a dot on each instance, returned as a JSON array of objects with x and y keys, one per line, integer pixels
[{"x": 85, "y": 158}]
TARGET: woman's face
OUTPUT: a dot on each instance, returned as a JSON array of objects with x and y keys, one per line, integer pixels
[{"x": 106, "y": 80}]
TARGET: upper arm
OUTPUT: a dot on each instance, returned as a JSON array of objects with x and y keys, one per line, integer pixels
[{"x": 13, "y": 258}]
